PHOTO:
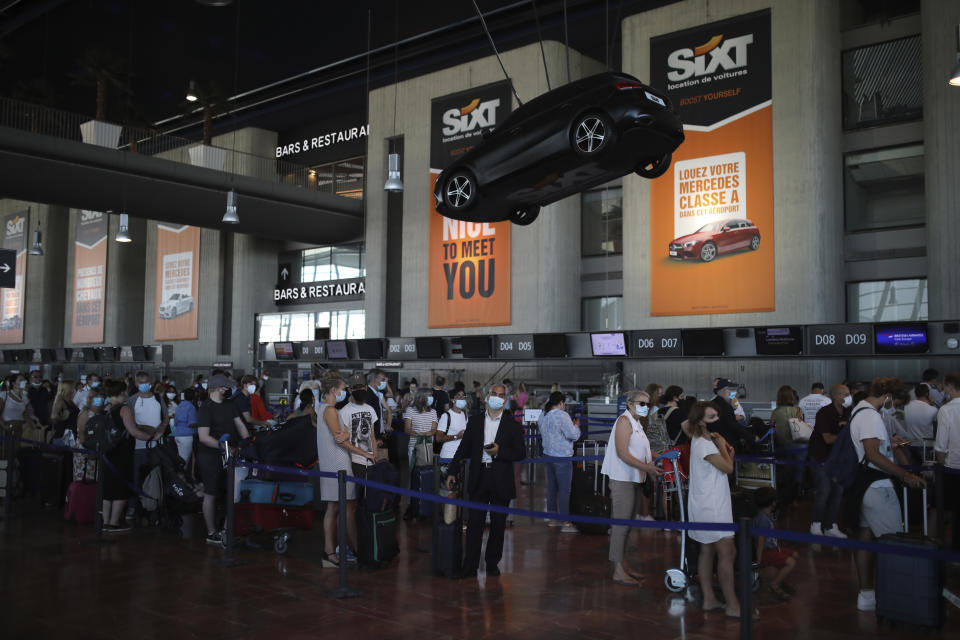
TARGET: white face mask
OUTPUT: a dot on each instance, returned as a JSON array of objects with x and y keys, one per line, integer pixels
[
  {"x": 171, "y": 396},
  {"x": 848, "y": 401},
  {"x": 251, "y": 388},
  {"x": 643, "y": 412},
  {"x": 888, "y": 410}
]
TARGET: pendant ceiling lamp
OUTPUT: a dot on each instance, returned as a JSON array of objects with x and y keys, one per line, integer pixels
[
  {"x": 230, "y": 215},
  {"x": 394, "y": 181},
  {"x": 123, "y": 234},
  {"x": 37, "y": 248}
]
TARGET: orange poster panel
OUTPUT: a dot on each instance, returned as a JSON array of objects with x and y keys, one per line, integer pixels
[
  {"x": 89, "y": 277},
  {"x": 178, "y": 279},
  {"x": 716, "y": 177},
  {"x": 469, "y": 270},
  {"x": 15, "y": 228}
]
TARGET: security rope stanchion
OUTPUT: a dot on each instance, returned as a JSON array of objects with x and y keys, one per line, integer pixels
[
  {"x": 938, "y": 488},
  {"x": 745, "y": 565},
  {"x": 11, "y": 461},
  {"x": 342, "y": 591}
]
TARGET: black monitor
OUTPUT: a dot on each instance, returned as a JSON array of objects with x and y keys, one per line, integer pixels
[
  {"x": 549, "y": 345},
  {"x": 48, "y": 355},
  {"x": 108, "y": 354},
  {"x": 336, "y": 350},
  {"x": 901, "y": 338},
  {"x": 779, "y": 341},
  {"x": 142, "y": 353},
  {"x": 63, "y": 355},
  {"x": 90, "y": 354},
  {"x": 476, "y": 346},
  {"x": 430, "y": 348},
  {"x": 702, "y": 342},
  {"x": 370, "y": 349}
]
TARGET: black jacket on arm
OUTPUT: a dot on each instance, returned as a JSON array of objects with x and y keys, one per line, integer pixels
[{"x": 509, "y": 438}]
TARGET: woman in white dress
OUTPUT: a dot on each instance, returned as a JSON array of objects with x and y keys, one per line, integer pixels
[{"x": 711, "y": 462}]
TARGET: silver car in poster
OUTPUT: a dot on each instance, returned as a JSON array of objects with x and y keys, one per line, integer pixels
[{"x": 176, "y": 305}]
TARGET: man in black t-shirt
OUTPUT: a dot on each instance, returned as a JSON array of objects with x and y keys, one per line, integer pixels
[
  {"x": 441, "y": 400},
  {"x": 727, "y": 426},
  {"x": 217, "y": 417}
]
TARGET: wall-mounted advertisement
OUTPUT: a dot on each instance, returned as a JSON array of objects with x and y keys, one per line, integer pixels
[
  {"x": 15, "y": 228},
  {"x": 711, "y": 214},
  {"x": 469, "y": 283},
  {"x": 89, "y": 277},
  {"x": 178, "y": 279}
]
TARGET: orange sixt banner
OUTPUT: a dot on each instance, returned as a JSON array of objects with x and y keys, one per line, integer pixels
[
  {"x": 89, "y": 277},
  {"x": 711, "y": 214},
  {"x": 178, "y": 279},
  {"x": 15, "y": 227},
  {"x": 469, "y": 272}
]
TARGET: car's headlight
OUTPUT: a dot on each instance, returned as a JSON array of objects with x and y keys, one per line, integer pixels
[{"x": 690, "y": 243}]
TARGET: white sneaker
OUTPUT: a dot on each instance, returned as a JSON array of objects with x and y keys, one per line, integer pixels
[
  {"x": 835, "y": 532},
  {"x": 816, "y": 529},
  {"x": 647, "y": 518},
  {"x": 867, "y": 600}
]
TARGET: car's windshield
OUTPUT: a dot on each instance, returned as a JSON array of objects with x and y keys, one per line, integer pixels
[{"x": 713, "y": 226}]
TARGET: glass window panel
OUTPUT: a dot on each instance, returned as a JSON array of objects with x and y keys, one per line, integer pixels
[
  {"x": 349, "y": 178},
  {"x": 602, "y": 314},
  {"x": 332, "y": 263},
  {"x": 887, "y": 301},
  {"x": 299, "y": 327},
  {"x": 883, "y": 83},
  {"x": 601, "y": 215},
  {"x": 884, "y": 188}
]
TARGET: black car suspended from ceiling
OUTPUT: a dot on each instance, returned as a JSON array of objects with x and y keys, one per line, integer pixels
[{"x": 575, "y": 137}]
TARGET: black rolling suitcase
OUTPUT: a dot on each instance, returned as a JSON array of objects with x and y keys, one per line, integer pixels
[
  {"x": 447, "y": 543},
  {"x": 376, "y": 538},
  {"x": 588, "y": 491},
  {"x": 52, "y": 490},
  {"x": 909, "y": 588}
]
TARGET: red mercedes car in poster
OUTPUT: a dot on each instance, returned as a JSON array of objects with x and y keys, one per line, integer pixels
[{"x": 716, "y": 238}]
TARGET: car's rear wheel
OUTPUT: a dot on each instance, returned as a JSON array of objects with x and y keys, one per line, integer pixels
[
  {"x": 708, "y": 252},
  {"x": 460, "y": 191},
  {"x": 755, "y": 243},
  {"x": 591, "y": 134},
  {"x": 524, "y": 214},
  {"x": 654, "y": 169}
]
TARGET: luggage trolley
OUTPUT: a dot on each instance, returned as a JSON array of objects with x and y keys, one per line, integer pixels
[
  {"x": 753, "y": 475},
  {"x": 677, "y": 578}
]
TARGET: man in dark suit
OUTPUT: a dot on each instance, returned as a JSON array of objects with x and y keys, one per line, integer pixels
[{"x": 493, "y": 441}]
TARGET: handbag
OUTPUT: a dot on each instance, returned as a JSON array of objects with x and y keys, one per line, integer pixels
[
  {"x": 800, "y": 430},
  {"x": 422, "y": 452}
]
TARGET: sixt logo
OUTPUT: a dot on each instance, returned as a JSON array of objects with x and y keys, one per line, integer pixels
[
  {"x": 15, "y": 226},
  {"x": 473, "y": 116},
  {"x": 87, "y": 216},
  {"x": 724, "y": 54}
]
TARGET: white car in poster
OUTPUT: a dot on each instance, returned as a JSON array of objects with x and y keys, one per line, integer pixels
[{"x": 176, "y": 305}]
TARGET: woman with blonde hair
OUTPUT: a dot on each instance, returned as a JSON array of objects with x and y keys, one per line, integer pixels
[{"x": 64, "y": 413}]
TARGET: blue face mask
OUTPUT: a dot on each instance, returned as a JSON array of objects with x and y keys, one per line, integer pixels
[
  {"x": 144, "y": 388},
  {"x": 495, "y": 402},
  {"x": 733, "y": 395},
  {"x": 342, "y": 395},
  {"x": 98, "y": 402},
  {"x": 461, "y": 404},
  {"x": 429, "y": 401},
  {"x": 95, "y": 384},
  {"x": 382, "y": 385}
]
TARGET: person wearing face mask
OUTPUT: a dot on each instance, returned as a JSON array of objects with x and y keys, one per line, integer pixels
[
  {"x": 216, "y": 418},
  {"x": 786, "y": 410},
  {"x": 185, "y": 424},
  {"x": 258, "y": 408},
  {"x": 826, "y": 502},
  {"x": 359, "y": 420},
  {"x": 628, "y": 462},
  {"x": 919, "y": 417},
  {"x": 90, "y": 381},
  {"x": 452, "y": 425},
  {"x": 947, "y": 447},
  {"x": 335, "y": 452},
  {"x": 873, "y": 489},
  {"x": 150, "y": 412},
  {"x": 728, "y": 426},
  {"x": 243, "y": 402},
  {"x": 85, "y": 466},
  {"x": 40, "y": 399},
  {"x": 558, "y": 433},
  {"x": 376, "y": 385},
  {"x": 15, "y": 414},
  {"x": 420, "y": 423},
  {"x": 493, "y": 442}
]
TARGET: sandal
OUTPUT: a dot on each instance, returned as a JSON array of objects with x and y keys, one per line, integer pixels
[
  {"x": 333, "y": 559},
  {"x": 779, "y": 593}
]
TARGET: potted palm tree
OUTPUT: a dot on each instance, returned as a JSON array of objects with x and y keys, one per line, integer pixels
[{"x": 100, "y": 68}]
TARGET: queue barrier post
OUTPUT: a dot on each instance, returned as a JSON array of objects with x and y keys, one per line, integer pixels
[
  {"x": 745, "y": 562},
  {"x": 939, "y": 501},
  {"x": 342, "y": 591},
  {"x": 12, "y": 445}
]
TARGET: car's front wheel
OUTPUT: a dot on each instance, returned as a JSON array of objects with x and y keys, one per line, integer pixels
[
  {"x": 708, "y": 252},
  {"x": 654, "y": 169},
  {"x": 460, "y": 191},
  {"x": 525, "y": 214},
  {"x": 755, "y": 243},
  {"x": 591, "y": 134}
]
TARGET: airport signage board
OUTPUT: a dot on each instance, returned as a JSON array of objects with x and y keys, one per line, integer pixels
[
  {"x": 518, "y": 346},
  {"x": 652, "y": 343},
  {"x": 839, "y": 340}
]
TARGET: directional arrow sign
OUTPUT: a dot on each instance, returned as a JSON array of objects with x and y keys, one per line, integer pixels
[
  {"x": 8, "y": 268},
  {"x": 284, "y": 274}
]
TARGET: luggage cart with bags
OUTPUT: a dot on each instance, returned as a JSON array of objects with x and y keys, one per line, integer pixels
[{"x": 753, "y": 475}]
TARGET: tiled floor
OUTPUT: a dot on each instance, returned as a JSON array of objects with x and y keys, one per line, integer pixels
[{"x": 154, "y": 584}]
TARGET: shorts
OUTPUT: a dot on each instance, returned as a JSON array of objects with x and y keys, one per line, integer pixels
[
  {"x": 777, "y": 558},
  {"x": 212, "y": 473},
  {"x": 880, "y": 511}
]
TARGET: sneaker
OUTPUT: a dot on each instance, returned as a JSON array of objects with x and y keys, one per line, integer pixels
[
  {"x": 116, "y": 528},
  {"x": 867, "y": 600},
  {"x": 554, "y": 523},
  {"x": 815, "y": 529},
  {"x": 568, "y": 528},
  {"x": 214, "y": 539},
  {"x": 351, "y": 559},
  {"x": 834, "y": 532},
  {"x": 647, "y": 518}
]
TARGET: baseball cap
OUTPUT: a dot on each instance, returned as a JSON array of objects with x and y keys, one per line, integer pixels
[
  {"x": 218, "y": 381},
  {"x": 357, "y": 381},
  {"x": 723, "y": 383}
]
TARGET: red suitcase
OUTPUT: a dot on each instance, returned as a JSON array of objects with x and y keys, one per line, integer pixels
[
  {"x": 251, "y": 517},
  {"x": 81, "y": 502}
]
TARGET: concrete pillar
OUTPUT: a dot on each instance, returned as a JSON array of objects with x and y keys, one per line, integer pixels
[
  {"x": 941, "y": 139},
  {"x": 125, "y": 295}
]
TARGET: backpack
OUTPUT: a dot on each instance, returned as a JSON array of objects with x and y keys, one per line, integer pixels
[
  {"x": 656, "y": 432},
  {"x": 438, "y": 446},
  {"x": 101, "y": 429},
  {"x": 842, "y": 462}
]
